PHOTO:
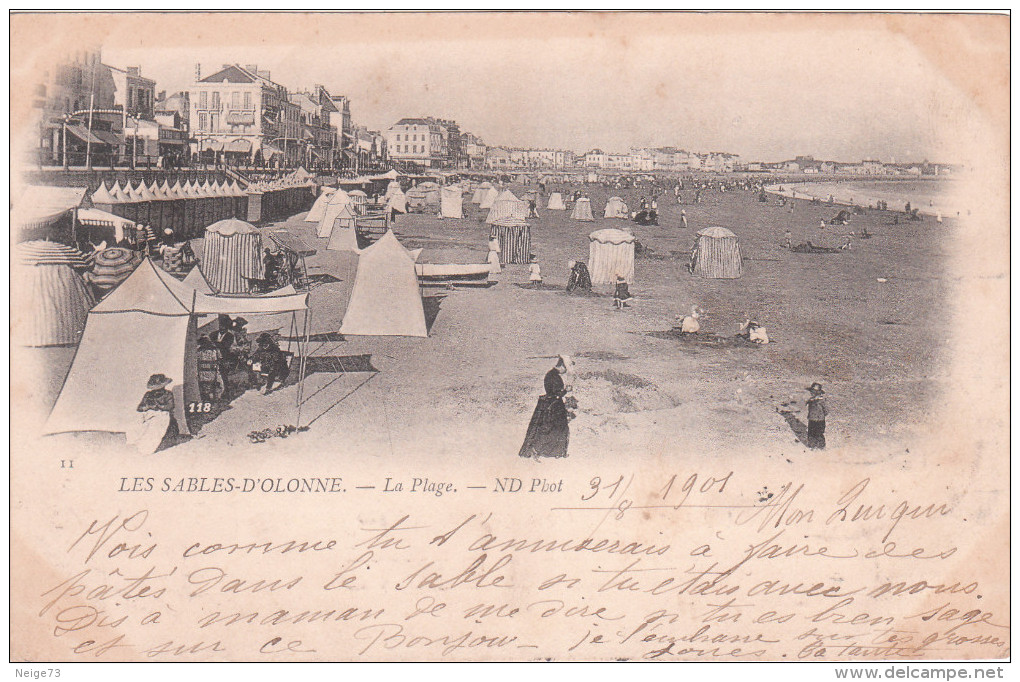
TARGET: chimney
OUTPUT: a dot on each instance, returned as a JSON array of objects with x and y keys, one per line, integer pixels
[
  {"x": 198, "y": 72},
  {"x": 263, "y": 74},
  {"x": 133, "y": 70},
  {"x": 251, "y": 67}
]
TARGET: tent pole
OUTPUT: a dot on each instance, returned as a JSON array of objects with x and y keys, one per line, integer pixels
[{"x": 302, "y": 365}]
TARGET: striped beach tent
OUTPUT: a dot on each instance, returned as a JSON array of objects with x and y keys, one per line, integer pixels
[
  {"x": 514, "y": 237},
  {"x": 507, "y": 205},
  {"x": 232, "y": 257},
  {"x": 610, "y": 253},
  {"x": 53, "y": 300},
  {"x": 716, "y": 254}
]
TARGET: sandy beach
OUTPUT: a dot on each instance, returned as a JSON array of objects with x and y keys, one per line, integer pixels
[
  {"x": 931, "y": 196},
  {"x": 858, "y": 321}
]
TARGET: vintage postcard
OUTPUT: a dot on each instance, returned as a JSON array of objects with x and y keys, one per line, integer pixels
[{"x": 564, "y": 336}]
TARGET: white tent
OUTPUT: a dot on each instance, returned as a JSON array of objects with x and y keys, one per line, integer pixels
[
  {"x": 145, "y": 326},
  {"x": 319, "y": 207},
  {"x": 615, "y": 208},
  {"x": 507, "y": 205},
  {"x": 344, "y": 235},
  {"x": 582, "y": 210},
  {"x": 610, "y": 253},
  {"x": 336, "y": 204},
  {"x": 398, "y": 202},
  {"x": 386, "y": 300},
  {"x": 451, "y": 201},
  {"x": 489, "y": 197},
  {"x": 556, "y": 202}
]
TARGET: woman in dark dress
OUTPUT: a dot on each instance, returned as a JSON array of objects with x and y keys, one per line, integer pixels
[{"x": 549, "y": 431}]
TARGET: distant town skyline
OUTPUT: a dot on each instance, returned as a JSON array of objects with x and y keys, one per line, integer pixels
[{"x": 766, "y": 87}]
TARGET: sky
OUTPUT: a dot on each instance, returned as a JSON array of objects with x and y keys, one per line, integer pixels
[{"x": 763, "y": 86}]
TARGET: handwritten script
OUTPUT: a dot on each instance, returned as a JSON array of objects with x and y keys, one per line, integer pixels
[{"x": 691, "y": 566}]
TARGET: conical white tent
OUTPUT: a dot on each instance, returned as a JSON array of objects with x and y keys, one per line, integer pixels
[
  {"x": 333, "y": 207},
  {"x": 615, "y": 208},
  {"x": 489, "y": 197},
  {"x": 451, "y": 202},
  {"x": 507, "y": 205},
  {"x": 319, "y": 207},
  {"x": 556, "y": 202},
  {"x": 344, "y": 235},
  {"x": 582, "y": 210},
  {"x": 611, "y": 253},
  {"x": 386, "y": 300}
]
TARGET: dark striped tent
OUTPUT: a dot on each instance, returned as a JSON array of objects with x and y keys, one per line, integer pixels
[
  {"x": 53, "y": 299},
  {"x": 514, "y": 236},
  {"x": 716, "y": 254},
  {"x": 232, "y": 257}
]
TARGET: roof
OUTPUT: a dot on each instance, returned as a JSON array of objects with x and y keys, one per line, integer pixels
[
  {"x": 232, "y": 74},
  {"x": 611, "y": 236},
  {"x": 230, "y": 227},
  {"x": 716, "y": 232},
  {"x": 44, "y": 204}
]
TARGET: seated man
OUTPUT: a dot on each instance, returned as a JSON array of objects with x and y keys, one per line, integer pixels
[{"x": 268, "y": 364}]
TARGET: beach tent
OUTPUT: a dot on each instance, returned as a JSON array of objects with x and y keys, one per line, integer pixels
[
  {"x": 507, "y": 205},
  {"x": 451, "y": 202},
  {"x": 716, "y": 254},
  {"x": 556, "y": 202},
  {"x": 336, "y": 204},
  {"x": 344, "y": 235},
  {"x": 319, "y": 207},
  {"x": 96, "y": 221},
  {"x": 582, "y": 210},
  {"x": 392, "y": 188},
  {"x": 232, "y": 256},
  {"x": 146, "y": 326},
  {"x": 610, "y": 253},
  {"x": 53, "y": 299},
  {"x": 480, "y": 192},
  {"x": 397, "y": 202},
  {"x": 360, "y": 201},
  {"x": 490, "y": 196},
  {"x": 386, "y": 299},
  {"x": 514, "y": 237},
  {"x": 615, "y": 208}
]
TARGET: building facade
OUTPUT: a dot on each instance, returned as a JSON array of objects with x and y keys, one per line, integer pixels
[
  {"x": 419, "y": 141},
  {"x": 239, "y": 114}
]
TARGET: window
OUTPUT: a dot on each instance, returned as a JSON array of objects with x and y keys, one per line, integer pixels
[
  {"x": 235, "y": 99},
  {"x": 214, "y": 122},
  {"x": 216, "y": 100},
  {"x": 202, "y": 120},
  {"x": 203, "y": 100},
  {"x": 247, "y": 100}
]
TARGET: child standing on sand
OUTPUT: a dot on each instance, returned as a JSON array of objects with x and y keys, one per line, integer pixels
[
  {"x": 535, "y": 273},
  {"x": 621, "y": 295}
]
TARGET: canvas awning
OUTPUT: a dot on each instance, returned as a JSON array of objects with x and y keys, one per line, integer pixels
[
  {"x": 242, "y": 118},
  {"x": 42, "y": 204},
  {"x": 212, "y": 145},
  {"x": 239, "y": 145},
  {"x": 90, "y": 136}
]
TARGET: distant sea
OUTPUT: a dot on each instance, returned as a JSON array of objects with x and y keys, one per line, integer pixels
[{"x": 929, "y": 195}]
